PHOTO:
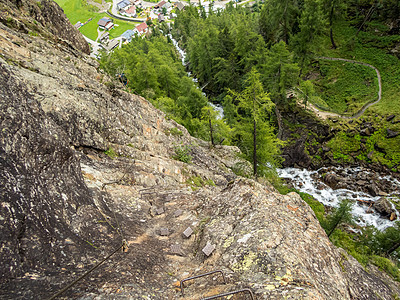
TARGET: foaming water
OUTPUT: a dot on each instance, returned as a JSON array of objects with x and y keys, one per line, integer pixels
[
  {"x": 304, "y": 181},
  {"x": 218, "y": 108}
]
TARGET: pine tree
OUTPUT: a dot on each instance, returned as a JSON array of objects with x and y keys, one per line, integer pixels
[
  {"x": 279, "y": 73},
  {"x": 307, "y": 90},
  {"x": 334, "y": 10},
  {"x": 278, "y": 19},
  {"x": 340, "y": 215},
  {"x": 312, "y": 24},
  {"x": 254, "y": 134}
]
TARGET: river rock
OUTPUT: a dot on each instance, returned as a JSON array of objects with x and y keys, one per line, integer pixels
[
  {"x": 384, "y": 207},
  {"x": 391, "y": 133},
  {"x": 331, "y": 180},
  {"x": 373, "y": 189}
]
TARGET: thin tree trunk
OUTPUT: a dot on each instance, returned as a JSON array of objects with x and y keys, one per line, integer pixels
[
  {"x": 334, "y": 227},
  {"x": 254, "y": 136},
  {"x": 331, "y": 25},
  {"x": 369, "y": 14},
  {"x": 394, "y": 248},
  {"x": 332, "y": 40},
  {"x": 211, "y": 129},
  {"x": 255, "y": 148}
]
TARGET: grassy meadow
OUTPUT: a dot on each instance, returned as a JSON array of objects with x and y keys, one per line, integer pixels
[{"x": 79, "y": 10}]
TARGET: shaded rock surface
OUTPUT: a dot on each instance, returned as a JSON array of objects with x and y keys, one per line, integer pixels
[
  {"x": 66, "y": 204},
  {"x": 384, "y": 207}
]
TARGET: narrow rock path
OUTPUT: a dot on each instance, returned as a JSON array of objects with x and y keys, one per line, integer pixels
[{"x": 325, "y": 115}]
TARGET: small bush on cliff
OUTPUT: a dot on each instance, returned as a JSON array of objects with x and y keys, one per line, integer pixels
[
  {"x": 111, "y": 153},
  {"x": 182, "y": 153}
]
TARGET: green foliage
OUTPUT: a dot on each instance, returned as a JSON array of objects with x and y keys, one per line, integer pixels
[
  {"x": 386, "y": 265},
  {"x": 111, "y": 153},
  {"x": 278, "y": 19},
  {"x": 174, "y": 132},
  {"x": 197, "y": 182},
  {"x": 307, "y": 90},
  {"x": 346, "y": 87},
  {"x": 312, "y": 23},
  {"x": 370, "y": 246},
  {"x": 342, "y": 214},
  {"x": 317, "y": 207},
  {"x": 154, "y": 71},
  {"x": 253, "y": 132},
  {"x": 182, "y": 153}
]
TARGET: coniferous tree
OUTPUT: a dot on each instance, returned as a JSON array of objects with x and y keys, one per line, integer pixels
[
  {"x": 278, "y": 19},
  {"x": 334, "y": 10},
  {"x": 280, "y": 72},
  {"x": 312, "y": 24},
  {"x": 254, "y": 133},
  {"x": 340, "y": 215}
]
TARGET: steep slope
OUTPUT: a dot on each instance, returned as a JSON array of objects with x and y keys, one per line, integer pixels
[{"x": 85, "y": 165}]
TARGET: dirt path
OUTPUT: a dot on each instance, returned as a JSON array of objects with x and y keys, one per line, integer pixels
[{"x": 324, "y": 115}]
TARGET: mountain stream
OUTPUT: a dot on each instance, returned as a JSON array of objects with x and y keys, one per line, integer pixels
[{"x": 309, "y": 181}]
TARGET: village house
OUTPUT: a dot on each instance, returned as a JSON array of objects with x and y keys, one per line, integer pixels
[
  {"x": 159, "y": 5},
  {"x": 167, "y": 5},
  {"x": 138, "y": 3},
  {"x": 112, "y": 44},
  {"x": 130, "y": 12},
  {"x": 104, "y": 37},
  {"x": 105, "y": 23},
  {"x": 179, "y": 5},
  {"x": 123, "y": 5},
  {"x": 141, "y": 29},
  {"x": 128, "y": 35}
]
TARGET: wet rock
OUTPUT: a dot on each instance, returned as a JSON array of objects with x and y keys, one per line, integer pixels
[
  {"x": 372, "y": 189},
  {"x": 384, "y": 207},
  {"x": 331, "y": 180},
  {"x": 391, "y": 133}
]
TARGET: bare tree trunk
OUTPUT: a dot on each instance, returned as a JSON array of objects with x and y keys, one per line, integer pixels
[
  {"x": 255, "y": 147},
  {"x": 369, "y": 14},
  {"x": 331, "y": 25},
  {"x": 394, "y": 248},
  {"x": 211, "y": 130},
  {"x": 254, "y": 136}
]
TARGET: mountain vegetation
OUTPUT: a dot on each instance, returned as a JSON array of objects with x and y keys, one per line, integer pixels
[{"x": 248, "y": 59}]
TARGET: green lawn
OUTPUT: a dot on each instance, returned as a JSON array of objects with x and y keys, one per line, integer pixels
[
  {"x": 121, "y": 28},
  {"x": 78, "y": 10}
]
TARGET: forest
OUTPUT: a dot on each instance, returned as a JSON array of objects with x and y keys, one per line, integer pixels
[{"x": 252, "y": 59}]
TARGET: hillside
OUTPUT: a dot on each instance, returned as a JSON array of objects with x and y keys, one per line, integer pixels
[{"x": 86, "y": 166}]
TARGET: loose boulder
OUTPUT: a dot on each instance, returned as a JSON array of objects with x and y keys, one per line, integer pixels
[{"x": 384, "y": 207}]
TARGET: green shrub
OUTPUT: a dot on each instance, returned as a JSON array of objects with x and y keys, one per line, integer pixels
[
  {"x": 182, "y": 153},
  {"x": 174, "y": 132},
  {"x": 386, "y": 265},
  {"x": 111, "y": 153}
]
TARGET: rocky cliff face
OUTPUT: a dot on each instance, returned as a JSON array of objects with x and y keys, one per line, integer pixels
[{"x": 85, "y": 165}]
